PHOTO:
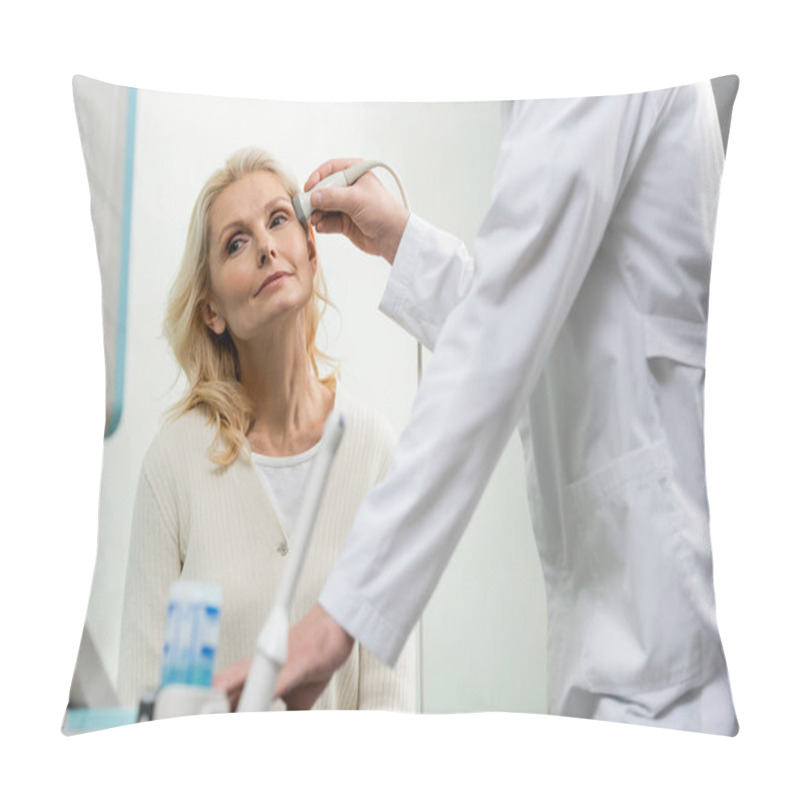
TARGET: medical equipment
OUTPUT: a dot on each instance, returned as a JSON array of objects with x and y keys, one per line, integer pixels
[
  {"x": 190, "y": 646},
  {"x": 346, "y": 177},
  {"x": 273, "y": 642},
  {"x": 182, "y": 700},
  {"x": 192, "y": 633}
]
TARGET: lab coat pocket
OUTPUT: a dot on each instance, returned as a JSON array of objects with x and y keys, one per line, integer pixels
[
  {"x": 678, "y": 340},
  {"x": 637, "y": 631}
]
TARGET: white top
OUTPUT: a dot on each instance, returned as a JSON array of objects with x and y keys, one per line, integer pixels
[
  {"x": 582, "y": 318},
  {"x": 284, "y": 478}
]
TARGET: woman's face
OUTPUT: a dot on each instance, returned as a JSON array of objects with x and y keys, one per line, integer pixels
[{"x": 262, "y": 262}]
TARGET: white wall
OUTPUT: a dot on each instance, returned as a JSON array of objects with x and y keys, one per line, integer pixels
[{"x": 482, "y": 635}]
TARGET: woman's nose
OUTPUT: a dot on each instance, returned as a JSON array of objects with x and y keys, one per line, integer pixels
[{"x": 267, "y": 251}]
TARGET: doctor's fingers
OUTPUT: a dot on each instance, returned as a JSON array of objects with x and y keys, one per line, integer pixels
[
  {"x": 341, "y": 223},
  {"x": 303, "y": 697},
  {"x": 332, "y": 222},
  {"x": 231, "y": 680},
  {"x": 350, "y": 200},
  {"x": 372, "y": 219},
  {"x": 365, "y": 198},
  {"x": 318, "y": 646},
  {"x": 351, "y": 211},
  {"x": 335, "y": 222},
  {"x": 328, "y": 168}
]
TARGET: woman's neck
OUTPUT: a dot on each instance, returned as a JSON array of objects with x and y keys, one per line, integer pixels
[{"x": 290, "y": 405}]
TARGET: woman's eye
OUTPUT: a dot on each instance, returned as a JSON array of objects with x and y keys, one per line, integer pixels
[
  {"x": 278, "y": 219},
  {"x": 234, "y": 246}
]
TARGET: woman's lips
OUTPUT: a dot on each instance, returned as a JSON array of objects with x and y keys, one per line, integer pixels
[{"x": 276, "y": 276}]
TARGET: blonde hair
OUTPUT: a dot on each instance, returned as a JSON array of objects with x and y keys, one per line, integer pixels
[{"x": 210, "y": 361}]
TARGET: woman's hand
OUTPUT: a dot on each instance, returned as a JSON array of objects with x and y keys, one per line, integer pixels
[{"x": 365, "y": 212}]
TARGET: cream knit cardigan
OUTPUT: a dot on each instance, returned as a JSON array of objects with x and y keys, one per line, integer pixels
[{"x": 195, "y": 520}]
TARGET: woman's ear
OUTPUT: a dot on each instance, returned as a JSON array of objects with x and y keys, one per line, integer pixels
[
  {"x": 211, "y": 317},
  {"x": 311, "y": 241}
]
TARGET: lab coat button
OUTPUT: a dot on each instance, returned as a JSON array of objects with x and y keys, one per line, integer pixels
[{"x": 283, "y": 549}]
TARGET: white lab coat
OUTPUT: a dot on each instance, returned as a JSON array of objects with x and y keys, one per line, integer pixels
[{"x": 582, "y": 318}]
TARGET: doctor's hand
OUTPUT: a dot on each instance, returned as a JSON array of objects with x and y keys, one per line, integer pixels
[
  {"x": 231, "y": 681},
  {"x": 318, "y": 646},
  {"x": 365, "y": 212}
]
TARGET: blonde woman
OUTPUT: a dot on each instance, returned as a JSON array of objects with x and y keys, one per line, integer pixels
[{"x": 221, "y": 484}]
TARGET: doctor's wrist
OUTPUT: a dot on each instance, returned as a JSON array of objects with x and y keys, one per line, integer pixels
[{"x": 393, "y": 235}]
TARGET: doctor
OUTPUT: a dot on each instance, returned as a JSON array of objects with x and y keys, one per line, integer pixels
[{"x": 582, "y": 319}]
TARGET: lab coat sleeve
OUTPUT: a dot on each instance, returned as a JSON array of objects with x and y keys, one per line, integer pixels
[
  {"x": 153, "y": 564},
  {"x": 561, "y": 169},
  {"x": 431, "y": 274}
]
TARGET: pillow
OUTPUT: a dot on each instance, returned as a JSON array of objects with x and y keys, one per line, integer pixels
[{"x": 147, "y": 156}]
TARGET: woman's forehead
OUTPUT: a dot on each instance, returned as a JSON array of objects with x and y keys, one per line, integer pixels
[{"x": 253, "y": 192}]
